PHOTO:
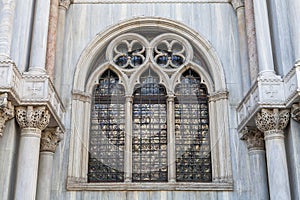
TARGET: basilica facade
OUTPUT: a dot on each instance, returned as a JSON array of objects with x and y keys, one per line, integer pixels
[{"x": 147, "y": 100}]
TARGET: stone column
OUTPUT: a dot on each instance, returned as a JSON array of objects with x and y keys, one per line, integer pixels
[
  {"x": 37, "y": 61},
  {"x": 49, "y": 140},
  {"x": 240, "y": 11},
  {"x": 32, "y": 121},
  {"x": 6, "y": 111},
  {"x": 51, "y": 43},
  {"x": 257, "y": 157},
  {"x": 128, "y": 139},
  {"x": 251, "y": 39},
  {"x": 60, "y": 37},
  {"x": 264, "y": 47},
  {"x": 7, "y": 12},
  {"x": 294, "y": 16},
  {"x": 272, "y": 122},
  {"x": 295, "y": 113},
  {"x": 171, "y": 140}
]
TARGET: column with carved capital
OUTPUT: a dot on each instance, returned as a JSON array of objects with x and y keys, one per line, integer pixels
[
  {"x": 258, "y": 169},
  {"x": 32, "y": 121},
  {"x": 272, "y": 122},
  {"x": 49, "y": 140},
  {"x": 6, "y": 111}
]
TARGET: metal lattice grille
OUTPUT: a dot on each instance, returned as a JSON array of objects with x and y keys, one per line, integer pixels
[
  {"x": 149, "y": 140},
  {"x": 193, "y": 158},
  {"x": 106, "y": 151}
]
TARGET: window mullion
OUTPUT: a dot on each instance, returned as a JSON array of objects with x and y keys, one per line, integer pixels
[
  {"x": 128, "y": 139},
  {"x": 171, "y": 139}
]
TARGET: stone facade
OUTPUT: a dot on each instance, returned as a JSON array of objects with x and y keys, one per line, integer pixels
[{"x": 52, "y": 53}]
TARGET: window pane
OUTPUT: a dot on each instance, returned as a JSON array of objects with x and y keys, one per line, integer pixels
[
  {"x": 149, "y": 140},
  {"x": 193, "y": 158},
  {"x": 106, "y": 155}
]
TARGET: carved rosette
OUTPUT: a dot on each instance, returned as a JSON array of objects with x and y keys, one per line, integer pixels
[
  {"x": 50, "y": 139},
  {"x": 296, "y": 112},
  {"x": 6, "y": 111},
  {"x": 254, "y": 139},
  {"x": 32, "y": 117},
  {"x": 272, "y": 121}
]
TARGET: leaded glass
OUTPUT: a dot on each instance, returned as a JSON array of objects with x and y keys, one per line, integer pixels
[
  {"x": 106, "y": 150},
  {"x": 149, "y": 139},
  {"x": 193, "y": 157}
]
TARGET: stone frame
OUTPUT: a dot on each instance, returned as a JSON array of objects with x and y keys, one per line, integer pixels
[{"x": 218, "y": 105}]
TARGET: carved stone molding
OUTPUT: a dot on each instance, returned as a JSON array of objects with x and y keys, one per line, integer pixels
[
  {"x": 32, "y": 117},
  {"x": 295, "y": 113},
  {"x": 64, "y": 3},
  {"x": 50, "y": 139},
  {"x": 272, "y": 121},
  {"x": 254, "y": 139},
  {"x": 6, "y": 111}
]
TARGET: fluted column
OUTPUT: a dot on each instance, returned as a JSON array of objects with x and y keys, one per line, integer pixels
[
  {"x": 257, "y": 157},
  {"x": 240, "y": 11},
  {"x": 49, "y": 141},
  {"x": 263, "y": 38},
  {"x": 272, "y": 122},
  {"x": 37, "y": 61},
  {"x": 32, "y": 121},
  {"x": 7, "y": 12},
  {"x": 6, "y": 111}
]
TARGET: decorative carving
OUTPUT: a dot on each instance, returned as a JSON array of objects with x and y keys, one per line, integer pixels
[
  {"x": 254, "y": 139},
  {"x": 6, "y": 111},
  {"x": 238, "y": 4},
  {"x": 50, "y": 138},
  {"x": 32, "y": 117},
  {"x": 272, "y": 120},
  {"x": 64, "y": 3},
  {"x": 295, "y": 114}
]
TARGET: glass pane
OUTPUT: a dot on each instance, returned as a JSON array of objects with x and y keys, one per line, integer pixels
[
  {"x": 149, "y": 140},
  {"x": 106, "y": 151},
  {"x": 193, "y": 158}
]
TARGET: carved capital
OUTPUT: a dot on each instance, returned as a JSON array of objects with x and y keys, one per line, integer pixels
[
  {"x": 236, "y": 4},
  {"x": 6, "y": 111},
  {"x": 274, "y": 120},
  {"x": 64, "y": 3},
  {"x": 32, "y": 117},
  {"x": 295, "y": 113},
  {"x": 254, "y": 139},
  {"x": 50, "y": 139}
]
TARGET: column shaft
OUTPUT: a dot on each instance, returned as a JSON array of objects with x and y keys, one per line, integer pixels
[
  {"x": 39, "y": 37},
  {"x": 294, "y": 16},
  {"x": 264, "y": 47},
  {"x": 128, "y": 140},
  {"x": 277, "y": 165},
  {"x": 28, "y": 158},
  {"x": 171, "y": 140},
  {"x": 45, "y": 176},
  {"x": 6, "y": 25}
]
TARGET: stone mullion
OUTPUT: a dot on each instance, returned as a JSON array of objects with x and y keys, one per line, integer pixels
[
  {"x": 32, "y": 121},
  {"x": 272, "y": 122},
  {"x": 171, "y": 139},
  {"x": 6, "y": 111},
  {"x": 128, "y": 139},
  {"x": 257, "y": 158},
  {"x": 7, "y": 13},
  {"x": 49, "y": 141}
]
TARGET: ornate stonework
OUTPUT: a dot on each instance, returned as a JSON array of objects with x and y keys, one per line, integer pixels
[
  {"x": 237, "y": 4},
  {"x": 295, "y": 113},
  {"x": 64, "y": 3},
  {"x": 6, "y": 111},
  {"x": 50, "y": 139},
  {"x": 32, "y": 117},
  {"x": 272, "y": 121},
  {"x": 254, "y": 139}
]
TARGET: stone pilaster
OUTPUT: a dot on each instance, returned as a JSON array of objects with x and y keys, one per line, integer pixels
[
  {"x": 272, "y": 122},
  {"x": 49, "y": 141},
  {"x": 257, "y": 158},
  {"x": 295, "y": 113},
  {"x": 32, "y": 121},
  {"x": 6, "y": 111}
]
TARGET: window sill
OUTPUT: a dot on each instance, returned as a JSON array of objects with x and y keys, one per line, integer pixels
[{"x": 79, "y": 185}]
